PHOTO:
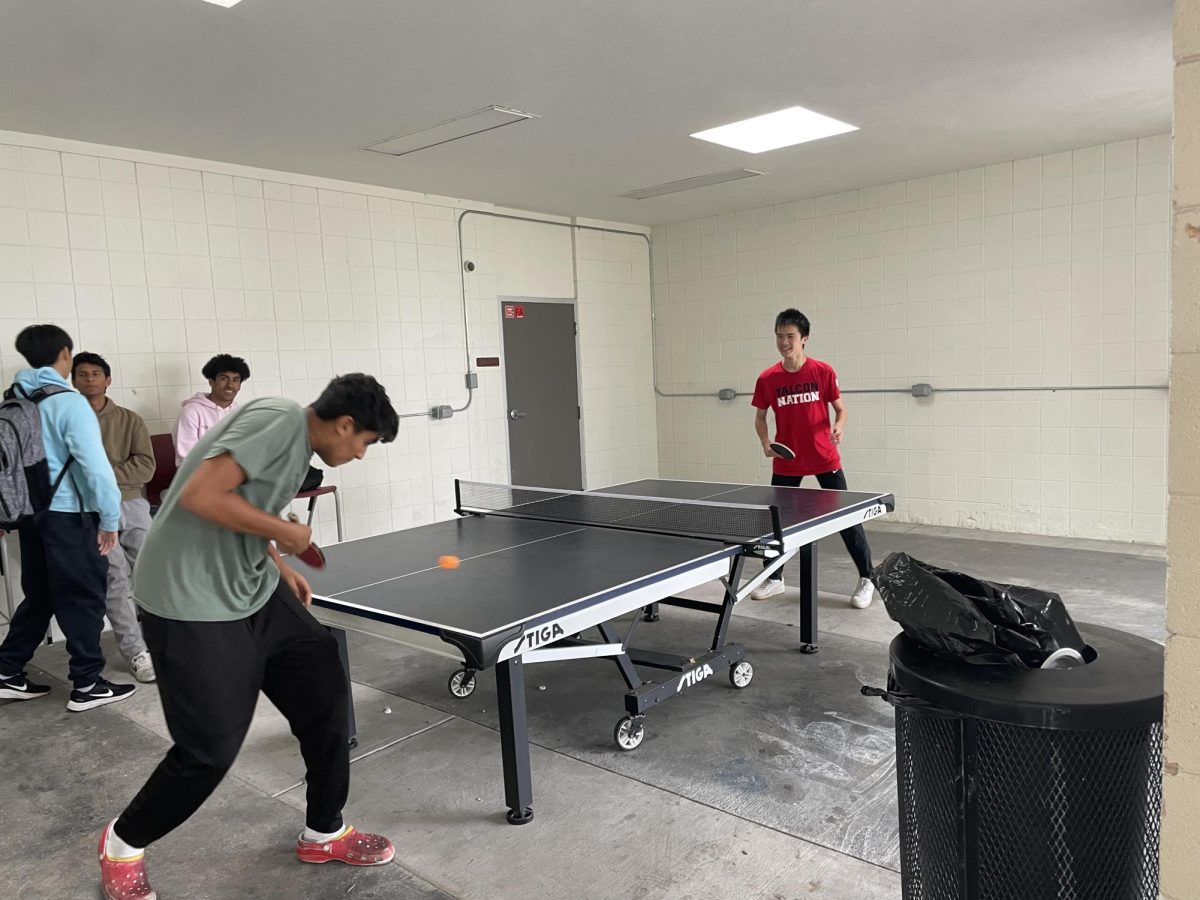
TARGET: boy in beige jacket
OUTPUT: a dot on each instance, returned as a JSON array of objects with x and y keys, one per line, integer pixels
[{"x": 127, "y": 444}]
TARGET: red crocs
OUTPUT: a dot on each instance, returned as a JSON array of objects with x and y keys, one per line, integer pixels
[
  {"x": 123, "y": 879},
  {"x": 353, "y": 847}
]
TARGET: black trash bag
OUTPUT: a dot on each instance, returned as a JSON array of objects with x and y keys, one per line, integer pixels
[{"x": 960, "y": 617}]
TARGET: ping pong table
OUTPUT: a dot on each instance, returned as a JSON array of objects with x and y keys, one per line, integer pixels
[{"x": 541, "y": 567}]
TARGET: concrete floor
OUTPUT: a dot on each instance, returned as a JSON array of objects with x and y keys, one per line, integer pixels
[{"x": 783, "y": 790}]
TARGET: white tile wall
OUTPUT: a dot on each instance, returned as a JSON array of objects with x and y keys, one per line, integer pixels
[
  {"x": 620, "y": 433},
  {"x": 1043, "y": 271},
  {"x": 160, "y": 264}
]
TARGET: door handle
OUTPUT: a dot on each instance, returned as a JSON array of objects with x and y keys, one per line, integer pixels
[{"x": 515, "y": 414}]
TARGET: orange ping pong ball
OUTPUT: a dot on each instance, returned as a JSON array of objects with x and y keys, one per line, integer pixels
[{"x": 449, "y": 562}]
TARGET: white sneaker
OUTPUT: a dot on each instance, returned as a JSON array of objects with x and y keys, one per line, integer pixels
[
  {"x": 861, "y": 598},
  {"x": 769, "y": 588},
  {"x": 142, "y": 667}
]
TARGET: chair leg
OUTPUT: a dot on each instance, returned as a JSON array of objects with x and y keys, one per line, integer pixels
[
  {"x": 312, "y": 508},
  {"x": 337, "y": 511}
]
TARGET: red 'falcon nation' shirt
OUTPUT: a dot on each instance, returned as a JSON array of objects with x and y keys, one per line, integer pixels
[{"x": 800, "y": 401}]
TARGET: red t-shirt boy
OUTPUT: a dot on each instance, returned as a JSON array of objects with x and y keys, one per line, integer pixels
[
  {"x": 800, "y": 400},
  {"x": 800, "y": 391}
]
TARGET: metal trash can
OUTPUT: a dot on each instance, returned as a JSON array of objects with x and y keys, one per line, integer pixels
[{"x": 1022, "y": 784}]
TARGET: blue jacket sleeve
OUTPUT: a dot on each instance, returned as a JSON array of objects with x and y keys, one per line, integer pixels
[{"x": 92, "y": 471}]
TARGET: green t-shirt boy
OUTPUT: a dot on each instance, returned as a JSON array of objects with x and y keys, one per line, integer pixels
[{"x": 194, "y": 570}]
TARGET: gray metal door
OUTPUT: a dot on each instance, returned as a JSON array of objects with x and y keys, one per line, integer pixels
[{"x": 541, "y": 377}]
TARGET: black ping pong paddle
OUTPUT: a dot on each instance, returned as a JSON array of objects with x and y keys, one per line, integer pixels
[{"x": 783, "y": 451}]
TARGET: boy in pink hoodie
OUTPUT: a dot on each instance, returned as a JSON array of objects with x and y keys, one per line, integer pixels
[{"x": 226, "y": 374}]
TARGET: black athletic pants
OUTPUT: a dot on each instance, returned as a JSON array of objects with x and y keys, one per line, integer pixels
[
  {"x": 63, "y": 576},
  {"x": 854, "y": 538},
  {"x": 209, "y": 677}
]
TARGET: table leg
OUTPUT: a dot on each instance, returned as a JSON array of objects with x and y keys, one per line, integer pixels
[
  {"x": 514, "y": 741},
  {"x": 808, "y": 598}
]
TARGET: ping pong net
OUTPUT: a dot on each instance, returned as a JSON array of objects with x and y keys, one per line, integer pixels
[{"x": 730, "y": 523}]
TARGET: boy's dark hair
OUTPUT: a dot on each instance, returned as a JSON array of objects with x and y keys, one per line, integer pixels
[
  {"x": 792, "y": 317},
  {"x": 83, "y": 358},
  {"x": 363, "y": 399},
  {"x": 223, "y": 362},
  {"x": 41, "y": 344}
]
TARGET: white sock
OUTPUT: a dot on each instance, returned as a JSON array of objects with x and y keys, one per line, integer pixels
[
  {"x": 86, "y": 689},
  {"x": 115, "y": 848},
  {"x": 317, "y": 837}
]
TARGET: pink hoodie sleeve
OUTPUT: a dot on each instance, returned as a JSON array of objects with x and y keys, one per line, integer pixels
[{"x": 185, "y": 433}]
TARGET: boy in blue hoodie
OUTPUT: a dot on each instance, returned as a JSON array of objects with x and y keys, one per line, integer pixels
[{"x": 63, "y": 570}]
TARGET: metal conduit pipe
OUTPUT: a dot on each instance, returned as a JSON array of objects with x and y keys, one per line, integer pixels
[
  {"x": 462, "y": 274},
  {"x": 927, "y": 390},
  {"x": 1051, "y": 388},
  {"x": 721, "y": 393}
]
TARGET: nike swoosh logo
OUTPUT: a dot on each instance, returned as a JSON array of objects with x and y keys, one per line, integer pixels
[{"x": 96, "y": 696}]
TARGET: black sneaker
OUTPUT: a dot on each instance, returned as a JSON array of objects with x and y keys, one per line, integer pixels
[
  {"x": 18, "y": 687},
  {"x": 99, "y": 694}
]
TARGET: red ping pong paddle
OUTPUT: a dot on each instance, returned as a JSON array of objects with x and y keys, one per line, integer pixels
[
  {"x": 312, "y": 555},
  {"x": 783, "y": 451}
]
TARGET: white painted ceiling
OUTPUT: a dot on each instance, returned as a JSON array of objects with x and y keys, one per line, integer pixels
[{"x": 297, "y": 85}]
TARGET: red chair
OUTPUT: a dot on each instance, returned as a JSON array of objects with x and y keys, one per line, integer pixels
[
  {"x": 164, "y": 471},
  {"x": 164, "y": 468},
  {"x": 311, "y": 497}
]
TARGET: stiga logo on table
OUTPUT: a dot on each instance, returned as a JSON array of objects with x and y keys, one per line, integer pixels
[
  {"x": 545, "y": 634},
  {"x": 694, "y": 677}
]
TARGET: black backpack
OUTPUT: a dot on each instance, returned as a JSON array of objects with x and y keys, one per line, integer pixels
[
  {"x": 25, "y": 488},
  {"x": 312, "y": 479}
]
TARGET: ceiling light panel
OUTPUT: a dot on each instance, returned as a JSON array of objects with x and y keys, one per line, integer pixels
[
  {"x": 785, "y": 128},
  {"x": 687, "y": 184},
  {"x": 477, "y": 122}
]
